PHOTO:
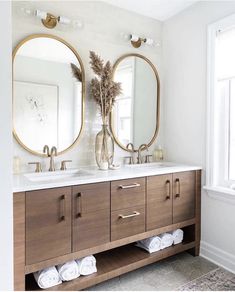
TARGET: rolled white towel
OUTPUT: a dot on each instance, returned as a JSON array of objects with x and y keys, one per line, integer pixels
[
  {"x": 68, "y": 271},
  {"x": 151, "y": 244},
  {"x": 87, "y": 265},
  {"x": 47, "y": 278},
  {"x": 178, "y": 236},
  {"x": 149, "y": 250},
  {"x": 166, "y": 240}
]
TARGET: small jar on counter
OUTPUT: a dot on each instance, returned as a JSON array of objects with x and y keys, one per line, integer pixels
[{"x": 158, "y": 154}]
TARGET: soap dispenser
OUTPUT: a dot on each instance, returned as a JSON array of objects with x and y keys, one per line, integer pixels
[
  {"x": 158, "y": 153},
  {"x": 16, "y": 165}
]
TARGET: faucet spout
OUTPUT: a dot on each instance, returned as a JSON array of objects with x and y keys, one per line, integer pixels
[
  {"x": 46, "y": 150},
  {"x": 142, "y": 147},
  {"x": 130, "y": 146},
  {"x": 53, "y": 153},
  {"x": 50, "y": 153}
]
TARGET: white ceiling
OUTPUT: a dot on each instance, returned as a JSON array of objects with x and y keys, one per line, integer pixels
[{"x": 157, "y": 9}]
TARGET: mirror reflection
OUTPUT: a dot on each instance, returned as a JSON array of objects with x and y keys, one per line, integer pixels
[
  {"x": 47, "y": 99},
  {"x": 135, "y": 116}
]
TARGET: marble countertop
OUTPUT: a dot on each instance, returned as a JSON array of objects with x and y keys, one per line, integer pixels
[{"x": 93, "y": 175}]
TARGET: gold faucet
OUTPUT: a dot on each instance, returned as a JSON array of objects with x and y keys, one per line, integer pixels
[
  {"x": 130, "y": 146},
  {"x": 50, "y": 153},
  {"x": 142, "y": 147}
]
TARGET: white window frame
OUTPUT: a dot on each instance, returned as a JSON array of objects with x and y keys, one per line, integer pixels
[
  {"x": 122, "y": 97},
  {"x": 219, "y": 192}
]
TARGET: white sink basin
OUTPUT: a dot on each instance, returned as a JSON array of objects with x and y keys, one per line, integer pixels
[
  {"x": 56, "y": 175},
  {"x": 151, "y": 165}
]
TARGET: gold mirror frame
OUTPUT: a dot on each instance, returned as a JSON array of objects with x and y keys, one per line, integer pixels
[
  {"x": 21, "y": 43},
  {"x": 158, "y": 101}
]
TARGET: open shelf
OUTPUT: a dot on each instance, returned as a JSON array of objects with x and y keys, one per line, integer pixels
[{"x": 114, "y": 263}]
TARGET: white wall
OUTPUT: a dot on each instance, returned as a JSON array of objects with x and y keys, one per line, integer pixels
[
  {"x": 101, "y": 33},
  {"x": 185, "y": 59},
  {"x": 6, "y": 217}
]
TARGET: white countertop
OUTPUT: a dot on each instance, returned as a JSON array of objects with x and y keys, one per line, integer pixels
[{"x": 23, "y": 184}]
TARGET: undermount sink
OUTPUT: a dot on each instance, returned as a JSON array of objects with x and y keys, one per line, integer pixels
[
  {"x": 56, "y": 175},
  {"x": 152, "y": 165}
]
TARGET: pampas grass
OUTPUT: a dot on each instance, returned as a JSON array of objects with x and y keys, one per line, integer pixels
[
  {"x": 103, "y": 89},
  {"x": 77, "y": 73}
]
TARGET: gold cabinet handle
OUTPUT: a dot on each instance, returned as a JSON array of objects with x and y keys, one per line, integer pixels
[
  {"x": 135, "y": 213},
  {"x": 168, "y": 196},
  {"x": 63, "y": 208},
  {"x": 177, "y": 181},
  {"x": 135, "y": 185},
  {"x": 79, "y": 205}
]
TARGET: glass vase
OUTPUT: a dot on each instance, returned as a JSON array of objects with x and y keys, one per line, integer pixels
[{"x": 104, "y": 148}]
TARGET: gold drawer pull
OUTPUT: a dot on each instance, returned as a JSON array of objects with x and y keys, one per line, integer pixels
[
  {"x": 135, "y": 213},
  {"x": 177, "y": 181},
  {"x": 135, "y": 185}
]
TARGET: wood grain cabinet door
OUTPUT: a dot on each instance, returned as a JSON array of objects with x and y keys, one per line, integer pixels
[
  {"x": 91, "y": 215},
  {"x": 159, "y": 201},
  {"x": 184, "y": 192},
  {"x": 48, "y": 224},
  {"x": 19, "y": 241}
]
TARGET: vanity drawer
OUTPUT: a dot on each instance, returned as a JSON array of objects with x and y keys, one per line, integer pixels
[
  {"x": 127, "y": 222},
  {"x": 127, "y": 193}
]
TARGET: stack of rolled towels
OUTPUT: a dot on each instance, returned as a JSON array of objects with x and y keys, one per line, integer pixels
[
  {"x": 53, "y": 276},
  {"x": 161, "y": 241}
]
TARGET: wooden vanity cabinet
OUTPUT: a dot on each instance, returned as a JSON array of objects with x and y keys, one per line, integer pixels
[
  {"x": 48, "y": 224},
  {"x": 57, "y": 225},
  {"x": 159, "y": 201},
  {"x": 184, "y": 195},
  {"x": 91, "y": 215}
]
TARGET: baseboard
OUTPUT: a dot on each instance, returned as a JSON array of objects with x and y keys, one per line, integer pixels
[{"x": 218, "y": 256}]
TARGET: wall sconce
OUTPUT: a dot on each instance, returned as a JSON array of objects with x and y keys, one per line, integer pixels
[
  {"x": 49, "y": 20},
  {"x": 137, "y": 41}
]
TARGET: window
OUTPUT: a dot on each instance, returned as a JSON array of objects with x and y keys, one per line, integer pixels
[
  {"x": 221, "y": 104},
  {"x": 124, "y": 103}
]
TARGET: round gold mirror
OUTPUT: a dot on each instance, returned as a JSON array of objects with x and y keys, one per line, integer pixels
[
  {"x": 135, "y": 116},
  {"x": 48, "y": 102}
]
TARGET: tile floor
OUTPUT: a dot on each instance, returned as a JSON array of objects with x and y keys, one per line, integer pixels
[{"x": 166, "y": 275}]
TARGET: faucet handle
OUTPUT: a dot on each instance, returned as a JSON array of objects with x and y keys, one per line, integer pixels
[
  {"x": 131, "y": 160},
  {"x": 38, "y": 166},
  {"x": 139, "y": 160},
  {"x": 63, "y": 164},
  {"x": 147, "y": 158}
]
